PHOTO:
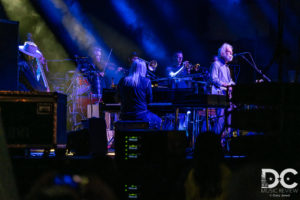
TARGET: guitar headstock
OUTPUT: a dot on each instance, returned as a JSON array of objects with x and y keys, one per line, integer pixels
[{"x": 29, "y": 37}]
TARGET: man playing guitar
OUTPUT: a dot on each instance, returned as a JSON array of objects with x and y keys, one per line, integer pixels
[
  {"x": 220, "y": 79},
  {"x": 219, "y": 71}
]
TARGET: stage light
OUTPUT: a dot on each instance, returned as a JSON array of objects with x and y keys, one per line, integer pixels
[
  {"x": 73, "y": 21},
  {"x": 137, "y": 25},
  {"x": 77, "y": 27},
  {"x": 226, "y": 1}
]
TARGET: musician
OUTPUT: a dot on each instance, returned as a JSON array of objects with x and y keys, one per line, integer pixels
[
  {"x": 131, "y": 58},
  {"x": 220, "y": 79},
  {"x": 135, "y": 92},
  {"x": 220, "y": 76},
  {"x": 174, "y": 71},
  {"x": 151, "y": 68},
  {"x": 96, "y": 73},
  {"x": 29, "y": 63}
]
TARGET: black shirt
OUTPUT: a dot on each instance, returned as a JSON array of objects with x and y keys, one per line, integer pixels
[{"x": 134, "y": 99}]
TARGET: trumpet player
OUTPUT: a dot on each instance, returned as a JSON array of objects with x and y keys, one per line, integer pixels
[{"x": 176, "y": 69}]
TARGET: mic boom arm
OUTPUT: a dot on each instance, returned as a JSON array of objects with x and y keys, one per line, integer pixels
[{"x": 254, "y": 66}]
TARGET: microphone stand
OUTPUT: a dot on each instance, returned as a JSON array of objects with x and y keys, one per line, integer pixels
[
  {"x": 255, "y": 67},
  {"x": 151, "y": 75}
]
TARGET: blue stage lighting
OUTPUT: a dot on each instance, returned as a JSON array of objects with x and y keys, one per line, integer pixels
[
  {"x": 226, "y": 1},
  {"x": 135, "y": 23}
]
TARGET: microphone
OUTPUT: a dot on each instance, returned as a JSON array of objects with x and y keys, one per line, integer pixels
[{"x": 240, "y": 54}]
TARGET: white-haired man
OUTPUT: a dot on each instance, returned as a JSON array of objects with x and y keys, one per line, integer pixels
[
  {"x": 220, "y": 79},
  {"x": 220, "y": 76}
]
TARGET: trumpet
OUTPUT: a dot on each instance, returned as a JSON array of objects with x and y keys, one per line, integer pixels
[
  {"x": 190, "y": 68},
  {"x": 185, "y": 64},
  {"x": 152, "y": 65}
]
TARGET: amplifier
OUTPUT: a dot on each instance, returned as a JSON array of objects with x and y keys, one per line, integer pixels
[
  {"x": 149, "y": 145},
  {"x": 33, "y": 119},
  {"x": 131, "y": 124},
  {"x": 267, "y": 94},
  {"x": 92, "y": 140}
]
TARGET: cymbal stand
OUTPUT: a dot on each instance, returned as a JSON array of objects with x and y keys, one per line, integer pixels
[
  {"x": 196, "y": 126},
  {"x": 74, "y": 101}
]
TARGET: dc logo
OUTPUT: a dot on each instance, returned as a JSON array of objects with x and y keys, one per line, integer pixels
[{"x": 278, "y": 178}]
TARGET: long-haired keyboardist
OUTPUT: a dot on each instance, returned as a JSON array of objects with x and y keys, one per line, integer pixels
[{"x": 134, "y": 92}]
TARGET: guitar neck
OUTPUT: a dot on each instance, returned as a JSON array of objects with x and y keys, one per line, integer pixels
[
  {"x": 43, "y": 75},
  {"x": 40, "y": 66}
]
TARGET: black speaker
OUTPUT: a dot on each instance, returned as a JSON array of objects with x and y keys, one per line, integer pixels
[
  {"x": 33, "y": 119},
  {"x": 8, "y": 55},
  {"x": 91, "y": 140},
  {"x": 98, "y": 138}
]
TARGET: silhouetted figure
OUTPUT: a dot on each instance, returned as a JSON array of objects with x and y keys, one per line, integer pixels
[
  {"x": 209, "y": 175},
  {"x": 8, "y": 189},
  {"x": 56, "y": 186}
]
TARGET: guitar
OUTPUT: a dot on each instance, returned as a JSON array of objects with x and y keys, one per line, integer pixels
[{"x": 44, "y": 79}]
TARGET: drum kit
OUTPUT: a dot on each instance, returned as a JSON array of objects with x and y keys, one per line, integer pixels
[
  {"x": 77, "y": 86},
  {"x": 83, "y": 95}
]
